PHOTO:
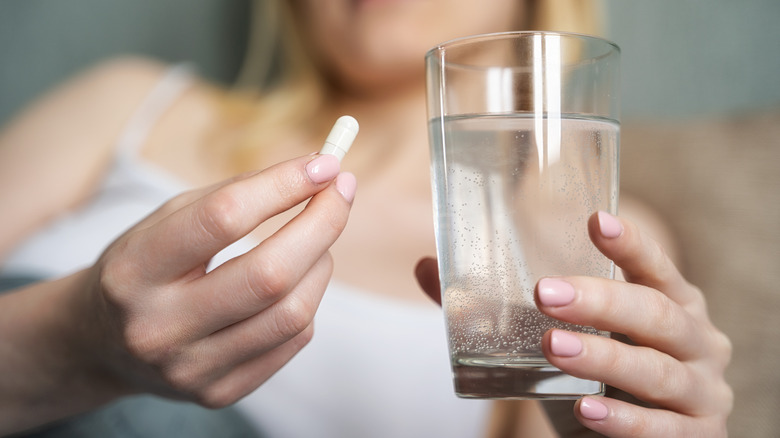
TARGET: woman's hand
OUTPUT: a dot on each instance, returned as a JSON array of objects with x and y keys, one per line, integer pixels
[
  {"x": 677, "y": 359},
  {"x": 215, "y": 337},
  {"x": 149, "y": 318}
]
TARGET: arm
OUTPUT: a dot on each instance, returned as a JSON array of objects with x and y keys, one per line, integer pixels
[
  {"x": 53, "y": 153},
  {"x": 148, "y": 318}
]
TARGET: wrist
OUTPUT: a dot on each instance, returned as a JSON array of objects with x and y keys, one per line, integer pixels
[{"x": 53, "y": 363}]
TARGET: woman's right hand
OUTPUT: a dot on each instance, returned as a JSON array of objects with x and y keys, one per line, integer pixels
[
  {"x": 148, "y": 317},
  {"x": 214, "y": 337}
]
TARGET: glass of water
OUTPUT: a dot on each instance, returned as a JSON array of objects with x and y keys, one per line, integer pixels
[{"x": 524, "y": 140}]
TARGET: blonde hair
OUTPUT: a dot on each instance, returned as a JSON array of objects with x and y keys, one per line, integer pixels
[
  {"x": 577, "y": 16},
  {"x": 286, "y": 93}
]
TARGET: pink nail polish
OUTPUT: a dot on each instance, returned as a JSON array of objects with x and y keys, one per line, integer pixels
[
  {"x": 555, "y": 292},
  {"x": 323, "y": 168},
  {"x": 346, "y": 184},
  {"x": 565, "y": 344},
  {"x": 593, "y": 409},
  {"x": 609, "y": 226}
]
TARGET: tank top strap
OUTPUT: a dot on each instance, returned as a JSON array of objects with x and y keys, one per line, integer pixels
[{"x": 173, "y": 83}]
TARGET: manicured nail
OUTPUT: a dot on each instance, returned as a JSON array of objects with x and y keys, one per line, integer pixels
[
  {"x": 565, "y": 344},
  {"x": 609, "y": 225},
  {"x": 593, "y": 409},
  {"x": 346, "y": 184},
  {"x": 323, "y": 168},
  {"x": 555, "y": 292}
]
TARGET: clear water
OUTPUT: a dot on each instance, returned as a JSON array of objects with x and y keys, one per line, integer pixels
[{"x": 512, "y": 198}]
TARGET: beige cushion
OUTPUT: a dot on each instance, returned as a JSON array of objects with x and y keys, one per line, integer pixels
[{"x": 717, "y": 183}]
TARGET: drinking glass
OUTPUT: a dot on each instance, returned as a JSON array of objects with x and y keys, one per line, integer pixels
[{"x": 524, "y": 140}]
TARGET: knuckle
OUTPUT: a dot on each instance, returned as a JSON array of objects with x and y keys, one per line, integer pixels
[
  {"x": 184, "y": 377},
  {"x": 155, "y": 340},
  {"x": 326, "y": 263},
  {"x": 304, "y": 337},
  {"x": 695, "y": 290},
  {"x": 216, "y": 397},
  {"x": 721, "y": 427},
  {"x": 727, "y": 394},
  {"x": 219, "y": 214},
  {"x": 709, "y": 427},
  {"x": 147, "y": 343},
  {"x": 723, "y": 347},
  {"x": 670, "y": 380},
  {"x": 697, "y": 303},
  {"x": 118, "y": 270},
  {"x": 269, "y": 280},
  {"x": 675, "y": 383},
  {"x": 663, "y": 319},
  {"x": 292, "y": 316}
]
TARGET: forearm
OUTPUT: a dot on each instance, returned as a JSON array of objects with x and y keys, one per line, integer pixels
[{"x": 50, "y": 365}]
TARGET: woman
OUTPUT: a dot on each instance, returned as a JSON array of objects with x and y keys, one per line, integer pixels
[{"x": 159, "y": 323}]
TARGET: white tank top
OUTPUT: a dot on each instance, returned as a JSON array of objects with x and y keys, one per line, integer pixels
[{"x": 376, "y": 367}]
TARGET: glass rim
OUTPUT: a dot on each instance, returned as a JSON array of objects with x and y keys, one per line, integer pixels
[{"x": 471, "y": 39}]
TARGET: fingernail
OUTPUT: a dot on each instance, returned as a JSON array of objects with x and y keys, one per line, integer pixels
[
  {"x": 323, "y": 168},
  {"x": 609, "y": 225},
  {"x": 593, "y": 409},
  {"x": 555, "y": 292},
  {"x": 346, "y": 184},
  {"x": 565, "y": 344}
]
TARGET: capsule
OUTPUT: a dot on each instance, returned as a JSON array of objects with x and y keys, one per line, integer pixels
[{"x": 341, "y": 137}]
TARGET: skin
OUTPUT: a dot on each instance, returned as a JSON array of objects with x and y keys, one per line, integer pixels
[
  {"x": 147, "y": 317},
  {"x": 676, "y": 360},
  {"x": 139, "y": 285},
  {"x": 371, "y": 47}
]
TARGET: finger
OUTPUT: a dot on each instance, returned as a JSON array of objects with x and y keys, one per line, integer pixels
[
  {"x": 642, "y": 259},
  {"x": 427, "y": 273},
  {"x": 252, "y": 282},
  {"x": 182, "y": 200},
  {"x": 664, "y": 380},
  {"x": 645, "y": 315},
  {"x": 273, "y": 326},
  {"x": 199, "y": 365},
  {"x": 189, "y": 237},
  {"x": 614, "y": 418},
  {"x": 248, "y": 376}
]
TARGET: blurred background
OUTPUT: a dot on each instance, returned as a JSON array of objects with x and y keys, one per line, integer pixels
[
  {"x": 680, "y": 58},
  {"x": 700, "y": 136}
]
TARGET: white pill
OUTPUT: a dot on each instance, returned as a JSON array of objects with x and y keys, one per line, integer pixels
[{"x": 341, "y": 137}]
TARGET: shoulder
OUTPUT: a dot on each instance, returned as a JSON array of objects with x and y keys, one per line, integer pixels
[
  {"x": 88, "y": 111},
  {"x": 127, "y": 70},
  {"x": 82, "y": 116},
  {"x": 109, "y": 91},
  {"x": 59, "y": 146},
  {"x": 115, "y": 86},
  {"x": 99, "y": 98}
]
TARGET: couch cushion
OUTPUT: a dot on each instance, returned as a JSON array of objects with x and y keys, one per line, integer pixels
[{"x": 717, "y": 182}]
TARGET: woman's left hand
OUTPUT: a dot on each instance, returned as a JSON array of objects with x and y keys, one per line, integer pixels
[{"x": 677, "y": 359}]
